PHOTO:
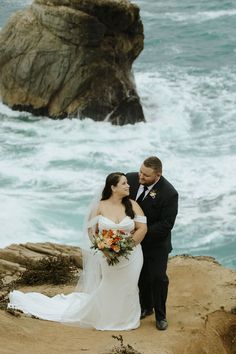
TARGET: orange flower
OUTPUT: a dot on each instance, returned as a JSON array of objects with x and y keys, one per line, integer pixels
[
  {"x": 110, "y": 233},
  {"x": 104, "y": 233},
  {"x": 115, "y": 248},
  {"x": 101, "y": 245},
  {"x": 109, "y": 242}
]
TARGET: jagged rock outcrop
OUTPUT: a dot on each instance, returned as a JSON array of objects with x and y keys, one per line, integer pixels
[
  {"x": 13, "y": 259},
  {"x": 73, "y": 58}
]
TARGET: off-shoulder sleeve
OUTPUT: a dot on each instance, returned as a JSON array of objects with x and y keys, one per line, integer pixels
[
  {"x": 140, "y": 218},
  {"x": 92, "y": 222}
]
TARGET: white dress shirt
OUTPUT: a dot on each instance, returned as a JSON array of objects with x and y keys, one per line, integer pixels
[{"x": 141, "y": 188}]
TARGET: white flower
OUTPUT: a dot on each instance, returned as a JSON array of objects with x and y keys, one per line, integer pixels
[{"x": 153, "y": 193}]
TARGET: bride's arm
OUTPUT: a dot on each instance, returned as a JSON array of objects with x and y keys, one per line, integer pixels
[
  {"x": 140, "y": 223},
  {"x": 93, "y": 222}
]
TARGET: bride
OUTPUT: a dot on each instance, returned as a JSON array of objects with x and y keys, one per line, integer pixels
[{"x": 106, "y": 297}]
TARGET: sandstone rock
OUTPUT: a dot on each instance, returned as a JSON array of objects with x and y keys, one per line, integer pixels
[
  {"x": 200, "y": 303},
  {"x": 73, "y": 57},
  {"x": 6, "y": 267},
  {"x": 14, "y": 257}
]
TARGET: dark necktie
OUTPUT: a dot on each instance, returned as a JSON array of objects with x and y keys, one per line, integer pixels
[{"x": 140, "y": 198}]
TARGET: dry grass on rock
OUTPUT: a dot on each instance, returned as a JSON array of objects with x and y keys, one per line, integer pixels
[
  {"x": 122, "y": 349},
  {"x": 51, "y": 270}
]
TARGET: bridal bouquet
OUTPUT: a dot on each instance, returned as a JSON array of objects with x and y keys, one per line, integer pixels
[{"x": 113, "y": 244}]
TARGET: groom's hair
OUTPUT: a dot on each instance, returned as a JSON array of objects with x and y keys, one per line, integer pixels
[{"x": 154, "y": 163}]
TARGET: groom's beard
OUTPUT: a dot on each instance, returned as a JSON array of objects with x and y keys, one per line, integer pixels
[{"x": 144, "y": 183}]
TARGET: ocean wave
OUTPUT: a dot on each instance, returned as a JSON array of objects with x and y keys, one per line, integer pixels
[
  {"x": 198, "y": 17},
  {"x": 6, "y": 111},
  {"x": 50, "y": 170},
  {"x": 193, "y": 102},
  {"x": 9, "y": 3}
]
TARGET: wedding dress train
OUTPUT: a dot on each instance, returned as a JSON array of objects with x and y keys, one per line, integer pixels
[{"x": 113, "y": 305}]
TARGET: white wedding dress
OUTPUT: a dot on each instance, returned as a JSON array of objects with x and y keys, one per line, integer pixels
[{"x": 113, "y": 305}]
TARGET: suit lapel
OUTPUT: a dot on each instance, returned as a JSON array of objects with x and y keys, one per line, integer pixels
[{"x": 152, "y": 193}]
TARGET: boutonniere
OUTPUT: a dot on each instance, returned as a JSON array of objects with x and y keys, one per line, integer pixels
[{"x": 153, "y": 193}]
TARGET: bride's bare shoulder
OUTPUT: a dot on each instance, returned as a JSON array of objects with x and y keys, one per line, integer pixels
[
  {"x": 102, "y": 205},
  {"x": 97, "y": 209}
]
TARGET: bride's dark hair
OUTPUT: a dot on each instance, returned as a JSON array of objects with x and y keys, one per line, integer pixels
[{"x": 112, "y": 180}]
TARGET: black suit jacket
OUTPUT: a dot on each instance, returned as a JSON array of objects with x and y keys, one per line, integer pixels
[{"x": 160, "y": 207}]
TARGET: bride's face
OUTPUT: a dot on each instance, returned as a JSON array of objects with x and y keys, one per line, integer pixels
[{"x": 122, "y": 187}]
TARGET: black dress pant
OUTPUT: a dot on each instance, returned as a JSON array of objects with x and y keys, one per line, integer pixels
[{"x": 153, "y": 283}]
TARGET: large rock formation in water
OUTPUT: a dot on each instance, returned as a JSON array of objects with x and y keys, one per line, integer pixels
[{"x": 73, "y": 58}]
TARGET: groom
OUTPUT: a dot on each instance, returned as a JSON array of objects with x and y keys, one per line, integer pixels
[{"x": 159, "y": 201}]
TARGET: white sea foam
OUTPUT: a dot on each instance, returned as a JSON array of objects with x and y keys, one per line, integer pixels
[
  {"x": 5, "y": 110},
  {"x": 198, "y": 17},
  {"x": 53, "y": 177},
  {"x": 15, "y": 219},
  {"x": 17, "y": 2}
]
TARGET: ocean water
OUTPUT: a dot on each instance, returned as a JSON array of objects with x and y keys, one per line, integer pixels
[{"x": 186, "y": 78}]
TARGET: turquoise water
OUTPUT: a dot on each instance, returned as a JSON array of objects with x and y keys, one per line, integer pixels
[{"x": 186, "y": 78}]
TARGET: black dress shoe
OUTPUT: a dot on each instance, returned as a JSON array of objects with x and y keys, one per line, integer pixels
[
  {"x": 145, "y": 313},
  {"x": 162, "y": 324}
]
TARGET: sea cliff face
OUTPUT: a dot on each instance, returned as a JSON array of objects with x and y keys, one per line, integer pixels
[
  {"x": 201, "y": 310},
  {"x": 65, "y": 58}
]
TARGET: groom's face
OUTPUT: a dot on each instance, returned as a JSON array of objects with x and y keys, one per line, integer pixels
[{"x": 148, "y": 176}]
